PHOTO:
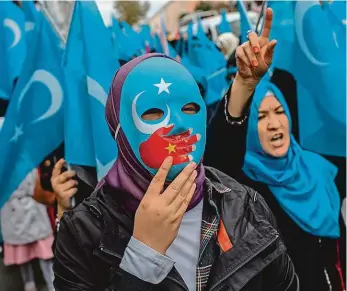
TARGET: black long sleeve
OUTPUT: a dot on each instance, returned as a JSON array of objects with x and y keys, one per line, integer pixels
[{"x": 226, "y": 141}]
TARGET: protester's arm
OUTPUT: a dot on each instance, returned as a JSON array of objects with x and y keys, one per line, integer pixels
[
  {"x": 71, "y": 267},
  {"x": 145, "y": 263},
  {"x": 226, "y": 136}
]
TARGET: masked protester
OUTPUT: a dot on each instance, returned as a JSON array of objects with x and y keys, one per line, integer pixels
[
  {"x": 259, "y": 149},
  {"x": 160, "y": 220}
]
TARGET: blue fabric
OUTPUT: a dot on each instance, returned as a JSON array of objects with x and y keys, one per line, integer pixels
[
  {"x": 168, "y": 88},
  {"x": 122, "y": 42},
  {"x": 204, "y": 54},
  {"x": 146, "y": 36},
  {"x": 314, "y": 52},
  {"x": 134, "y": 38},
  {"x": 301, "y": 181},
  {"x": 245, "y": 23},
  {"x": 13, "y": 47},
  {"x": 224, "y": 26},
  {"x": 33, "y": 125},
  {"x": 31, "y": 17},
  {"x": 89, "y": 68}
]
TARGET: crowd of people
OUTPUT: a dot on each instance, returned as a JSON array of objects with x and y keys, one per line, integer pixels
[{"x": 227, "y": 203}]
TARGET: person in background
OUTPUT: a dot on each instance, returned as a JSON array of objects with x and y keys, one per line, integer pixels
[
  {"x": 71, "y": 187},
  {"x": 27, "y": 234},
  {"x": 160, "y": 220},
  {"x": 227, "y": 43},
  {"x": 299, "y": 186}
]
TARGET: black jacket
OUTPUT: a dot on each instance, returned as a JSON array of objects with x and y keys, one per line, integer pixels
[
  {"x": 93, "y": 237},
  {"x": 316, "y": 260}
]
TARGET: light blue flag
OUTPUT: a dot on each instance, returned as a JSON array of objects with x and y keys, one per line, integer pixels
[
  {"x": 245, "y": 23},
  {"x": 33, "y": 126},
  {"x": 224, "y": 26},
  {"x": 312, "y": 47},
  {"x": 205, "y": 55},
  {"x": 157, "y": 44},
  {"x": 31, "y": 17},
  {"x": 146, "y": 36},
  {"x": 12, "y": 46},
  {"x": 167, "y": 47},
  {"x": 283, "y": 30},
  {"x": 96, "y": 68},
  {"x": 320, "y": 58},
  {"x": 133, "y": 38},
  {"x": 127, "y": 50}
]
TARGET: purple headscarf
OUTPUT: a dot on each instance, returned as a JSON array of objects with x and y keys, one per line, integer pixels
[{"x": 127, "y": 173}]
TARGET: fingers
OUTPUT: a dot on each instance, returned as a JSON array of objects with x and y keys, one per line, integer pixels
[
  {"x": 254, "y": 41},
  {"x": 269, "y": 52},
  {"x": 66, "y": 176},
  {"x": 71, "y": 192},
  {"x": 182, "y": 159},
  {"x": 183, "y": 208},
  {"x": 181, "y": 197},
  {"x": 185, "y": 150},
  {"x": 241, "y": 55},
  {"x": 267, "y": 23},
  {"x": 158, "y": 180},
  {"x": 68, "y": 185},
  {"x": 164, "y": 130},
  {"x": 180, "y": 135},
  {"x": 57, "y": 168},
  {"x": 250, "y": 54},
  {"x": 175, "y": 187},
  {"x": 189, "y": 141}
]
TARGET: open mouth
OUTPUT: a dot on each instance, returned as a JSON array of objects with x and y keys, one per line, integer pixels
[{"x": 277, "y": 137}]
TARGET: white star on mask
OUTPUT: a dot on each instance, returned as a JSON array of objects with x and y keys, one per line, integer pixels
[{"x": 163, "y": 86}]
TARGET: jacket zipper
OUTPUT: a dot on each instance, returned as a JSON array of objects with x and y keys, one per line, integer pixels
[
  {"x": 325, "y": 270},
  {"x": 245, "y": 262},
  {"x": 110, "y": 252}
]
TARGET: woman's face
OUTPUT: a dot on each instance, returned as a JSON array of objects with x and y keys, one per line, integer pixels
[{"x": 273, "y": 127}]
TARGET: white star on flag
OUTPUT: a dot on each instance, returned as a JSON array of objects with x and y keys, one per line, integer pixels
[
  {"x": 18, "y": 131},
  {"x": 163, "y": 86}
]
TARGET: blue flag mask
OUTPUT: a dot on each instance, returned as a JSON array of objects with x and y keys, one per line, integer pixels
[{"x": 162, "y": 86}]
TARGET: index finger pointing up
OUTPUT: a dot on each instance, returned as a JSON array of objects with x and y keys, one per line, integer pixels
[
  {"x": 159, "y": 179},
  {"x": 267, "y": 23}
]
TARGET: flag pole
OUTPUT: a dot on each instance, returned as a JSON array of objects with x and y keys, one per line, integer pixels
[{"x": 257, "y": 28}]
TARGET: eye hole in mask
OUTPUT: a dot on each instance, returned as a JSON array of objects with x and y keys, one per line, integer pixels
[
  {"x": 191, "y": 108},
  {"x": 152, "y": 114}
]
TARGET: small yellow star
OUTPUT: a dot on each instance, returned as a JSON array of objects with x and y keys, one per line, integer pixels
[{"x": 171, "y": 148}]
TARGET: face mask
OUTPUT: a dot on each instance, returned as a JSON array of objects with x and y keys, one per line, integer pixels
[{"x": 162, "y": 85}]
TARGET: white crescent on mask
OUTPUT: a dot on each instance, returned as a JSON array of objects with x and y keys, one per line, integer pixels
[
  {"x": 143, "y": 126},
  {"x": 17, "y": 33},
  {"x": 29, "y": 26},
  {"x": 301, "y": 9},
  {"x": 95, "y": 90},
  {"x": 54, "y": 88}
]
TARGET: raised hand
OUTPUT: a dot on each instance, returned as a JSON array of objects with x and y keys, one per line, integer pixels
[
  {"x": 160, "y": 213},
  {"x": 254, "y": 57},
  {"x": 63, "y": 185}
]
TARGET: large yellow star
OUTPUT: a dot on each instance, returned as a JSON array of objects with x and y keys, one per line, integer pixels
[{"x": 171, "y": 148}]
